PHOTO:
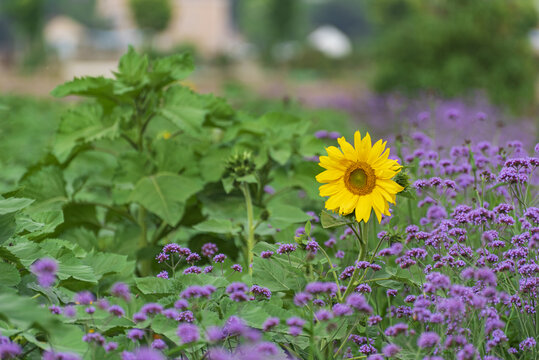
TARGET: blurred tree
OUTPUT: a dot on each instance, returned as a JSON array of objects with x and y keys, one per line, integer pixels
[
  {"x": 346, "y": 15},
  {"x": 151, "y": 16},
  {"x": 269, "y": 22},
  {"x": 454, "y": 46},
  {"x": 28, "y": 18}
]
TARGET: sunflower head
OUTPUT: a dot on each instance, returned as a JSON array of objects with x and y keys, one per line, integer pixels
[{"x": 358, "y": 178}]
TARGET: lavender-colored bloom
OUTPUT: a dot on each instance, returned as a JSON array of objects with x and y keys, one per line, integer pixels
[
  {"x": 322, "y": 134},
  {"x": 323, "y": 315},
  {"x": 94, "y": 337},
  {"x": 193, "y": 270},
  {"x": 188, "y": 333},
  {"x": 428, "y": 339},
  {"x": 84, "y": 298},
  {"x": 268, "y": 189},
  {"x": 358, "y": 302},
  {"x": 373, "y": 320},
  {"x": 139, "y": 317},
  {"x": 234, "y": 326},
  {"x": 51, "y": 355},
  {"x": 111, "y": 346},
  {"x": 207, "y": 269},
  {"x": 135, "y": 334},
  {"x": 181, "y": 304},
  {"x": 159, "y": 344},
  {"x": 286, "y": 248},
  {"x": 468, "y": 352},
  {"x": 151, "y": 309},
  {"x": 145, "y": 353},
  {"x": 186, "y": 316},
  {"x": 55, "y": 309},
  {"x": 192, "y": 258},
  {"x": 236, "y": 287},
  {"x": 391, "y": 350},
  {"x": 209, "y": 249},
  {"x": 261, "y": 291},
  {"x": 342, "y": 310},
  {"x": 266, "y": 254},
  {"x": 197, "y": 291},
  {"x": 90, "y": 310},
  {"x": 270, "y": 323},
  {"x": 9, "y": 350},
  {"x": 170, "y": 314},
  {"x": 163, "y": 274},
  {"x": 116, "y": 310},
  {"x": 45, "y": 269},
  {"x": 237, "y": 267},
  {"x": 121, "y": 290},
  {"x": 214, "y": 333},
  {"x": 312, "y": 246},
  {"x": 527, "y": 344},
  {"x": 334, "y": 135},
  {"x": 396, "y": 329},
  {"x": 330, "y": 243},
  {"x": 302, "y": 299},
  {"x": 219, "y": 258},
  {"x": 239, "y": 296},
  {"x": 70, "y": 311}
]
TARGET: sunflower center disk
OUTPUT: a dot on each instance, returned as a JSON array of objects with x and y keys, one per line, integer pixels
[{"x": 360, "y": 179}]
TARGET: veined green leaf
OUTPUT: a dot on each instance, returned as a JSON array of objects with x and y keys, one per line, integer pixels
[
  {"x": 165, "y": 194},
  {"x": 12, "y": 205},
  {"x": 9, "y": 275}
]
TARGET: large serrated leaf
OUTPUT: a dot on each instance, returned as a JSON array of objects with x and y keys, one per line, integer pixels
[
  {"x": 155, "y": 285},
  {"x": 87, "y": 86},
  {"x": 9, "y": 275},
  {"x": 12, "y": 205},
  {"x": 219, "y": 226},
  {"x": 165, "y": 194},
  {"x": 328, "y": 221}
]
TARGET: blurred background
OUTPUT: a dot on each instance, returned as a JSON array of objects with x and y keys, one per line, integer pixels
[
  {"x": 371, "y": 59},
  {"x": 316, "y": 50}
]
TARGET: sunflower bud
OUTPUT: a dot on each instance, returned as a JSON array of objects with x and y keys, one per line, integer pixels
[
  {"x": 239, "y": 165},
  {"x": 403, "y": 179}
]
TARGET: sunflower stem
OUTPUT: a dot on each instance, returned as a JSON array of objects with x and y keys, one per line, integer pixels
[
  {"x": 362, "y": 255},
  {"x": 250, "y": 238}
]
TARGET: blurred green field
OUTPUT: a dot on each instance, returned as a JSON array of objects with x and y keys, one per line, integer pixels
[{"x": 27, "y": 128}]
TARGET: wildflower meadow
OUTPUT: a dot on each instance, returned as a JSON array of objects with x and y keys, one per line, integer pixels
[{"x": 161, "y": 223}]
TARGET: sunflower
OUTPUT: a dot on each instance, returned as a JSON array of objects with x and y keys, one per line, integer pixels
[{"x": 359, "y": 178}]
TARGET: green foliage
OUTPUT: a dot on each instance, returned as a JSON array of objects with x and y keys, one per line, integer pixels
[
  {"x": 139, "y": 164},
  {"x": 454, "y": 47},
  {"x": 152, "y": 15}
]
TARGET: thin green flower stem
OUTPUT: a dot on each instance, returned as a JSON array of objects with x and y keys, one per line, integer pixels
[
  {"x": 311, "y": 338},
  {"x": 361, "y": 256},
  {"x": 345, "y": 340},
  {"x": 334, "y": 274},
  {"x": 250, "y": 228}
]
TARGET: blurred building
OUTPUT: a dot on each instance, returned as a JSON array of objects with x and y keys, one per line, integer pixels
[{"x": 205, "y": 24}]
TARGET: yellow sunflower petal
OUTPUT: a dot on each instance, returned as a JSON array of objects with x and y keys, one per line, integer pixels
[
  {"x": 378, "y": 201},
  {"x": 375, "y": 152},
  {"x": 347, "y": 149},
  {"x": 389, "y": 185},
  {"x": 329, "y": 176},
  {"x": 387, "y": 196},
  {"x": 331, "y": 189},
  {"x": 330, "y": 163},
  {"x": 357, "y": 140},
  {"x": 349, "y": 205},
  {"x": 335, "y": 153},
  {"x": 363, "y": 208},
  {"x": 336, "y": 201}
]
